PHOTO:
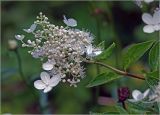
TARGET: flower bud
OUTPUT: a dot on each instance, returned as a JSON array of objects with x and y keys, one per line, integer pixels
[
  {"x": 12, "y": 44},
  {"x": 123, "y": 94}
]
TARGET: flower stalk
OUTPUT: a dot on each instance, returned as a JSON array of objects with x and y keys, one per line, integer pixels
[
  {"x": 20, "y": 66},
  {"x": 21, "y": 71},
  {"x": 116, "y": 70}
]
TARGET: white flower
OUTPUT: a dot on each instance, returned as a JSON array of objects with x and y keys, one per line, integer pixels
[
  {"x": 47, "y": 83},
  {"x": 70, "y": 22},
  {"x": 148, "y": 1},
  {"x": 31, "y": 29},
  {"x": 90, "y": 51},
  {"x": 153, "y": 22},
  {"x": 47, "y": 66},
  {"x": 19, "y": 37},
  {"x": 155, "y": 96},
  {"x": 138, "y": 96}
]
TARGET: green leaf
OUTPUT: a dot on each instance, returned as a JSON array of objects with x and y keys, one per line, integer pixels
[
  {"x": 103, "y": 78},
  {"x": 106, "y": 53},
  {"x": 154, "y": 57},
  {"x": 101, "y": 45},
  {"x": 152, "y": 78},
  {"x": 134, "y": 52},
  {"x": 121, "y": 110},
  {"x": 139, "y": 107}
]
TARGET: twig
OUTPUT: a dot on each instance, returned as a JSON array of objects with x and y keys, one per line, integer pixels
[{"x": 116, "y": 70}]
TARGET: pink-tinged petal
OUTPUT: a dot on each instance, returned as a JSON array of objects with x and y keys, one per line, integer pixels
[
  {"x": 148, "y": 29},
  {"x": 55, "y": 80},
  {"x": 47, "y": 66},
  {"x": 39, "y": 84},
  {"x": 47, "y": 89},
  {"x": 136, "y": 94},
  {"x": 45, "y": 77},
  {"x": 145, "y": 94},
  {"x": 156, "y": 17},
  {"x": 147, "y": 18}
]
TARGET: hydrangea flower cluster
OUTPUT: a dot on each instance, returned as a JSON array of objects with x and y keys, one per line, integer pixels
[{"x": 61, "y": 49}]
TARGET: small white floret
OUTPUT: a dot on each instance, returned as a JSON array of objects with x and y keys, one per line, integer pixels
[
  {"x": 138, "y": 96},
  {"x": 47, "y": 66},
  {"x": 19, "y": 37},
  {"x": 70, "y": 22},
  {"x": 46, "y": 83},
  {"x": 31, "y": 29},
  {"x": 153, "y": 22}
]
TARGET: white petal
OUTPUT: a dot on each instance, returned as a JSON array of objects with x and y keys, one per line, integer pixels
[
  {"x": 140, "y": 97},
  {"x": 147, "y": 18},
  {"x": 145, "y": 94},
  {"x": 64, "y": 17},
  {"x": 19, "y": 37},
  {"x": 97, "y": 52},
  {"x": 55, "y": 80},
  {"x": 33, "y": 27},
  {"x": 47, "y": 89},
  {"x": 136, "y": 94},
  {"x": 70, "y": 22},
  {"x": 133, "y": 100},
  {"x": 39, "y": 84},
  {"x": 148, "y": 29},
  {"x": 156, "y": 17},
  {"x": 156, "y": 27},
  {"x": 27, "y": 30},
  {"x": 45, "y": 77},
  {"x": 47, "y": 66},
  {"x": 89, "y": 49},
  {"x": 148, "y": 1}
]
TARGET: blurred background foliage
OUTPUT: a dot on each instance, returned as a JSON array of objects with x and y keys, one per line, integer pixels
[{"x": 118, "y": 22}]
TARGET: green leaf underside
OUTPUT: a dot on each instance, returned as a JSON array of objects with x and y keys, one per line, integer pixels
[
  {"x": 134, "y": 52},
  {"x": 154, "y": 57},
  {"x": 103, "y": 78},
  {"x": 106, "y": 53}
]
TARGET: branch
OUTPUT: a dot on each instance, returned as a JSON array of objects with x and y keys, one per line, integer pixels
[{"x": 116, "y": 70}]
